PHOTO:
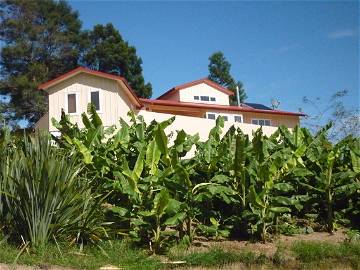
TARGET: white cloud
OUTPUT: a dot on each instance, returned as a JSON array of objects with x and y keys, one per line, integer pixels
[{"x": 342, "y": 34}]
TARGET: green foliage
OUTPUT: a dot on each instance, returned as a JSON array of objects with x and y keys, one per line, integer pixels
[
  {"x": 309, "y": 252},
  {"x": 235, "y": 185},
  {"x": 43, "y": 197},
  {"x": 219, "y": 72},
  {"x": 119, "y": 253},
  {"x": 41, "y": 41},
  {"x": 108, "y": 52},
  {"x": 217, "y": 257}
]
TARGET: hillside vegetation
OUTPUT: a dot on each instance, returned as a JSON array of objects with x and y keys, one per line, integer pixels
[{"x": 95, "y": 184}]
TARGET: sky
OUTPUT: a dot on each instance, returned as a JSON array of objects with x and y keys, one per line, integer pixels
[{"x": 282, "y": 50}]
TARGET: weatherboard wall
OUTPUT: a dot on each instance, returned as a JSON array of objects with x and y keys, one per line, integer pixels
[
  {"x": 114, "y": 103},
  {"x": 187, "y": 94}
]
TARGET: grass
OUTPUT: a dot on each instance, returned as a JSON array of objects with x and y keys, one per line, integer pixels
[
  {"x": 120, "y": 254},
  {"x": 215, "y": 257},
  {"x": 319, "y": 253},
  {"x": 308, "y": 255}
]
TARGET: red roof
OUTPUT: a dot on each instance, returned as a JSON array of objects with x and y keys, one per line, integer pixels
[
  {"x": 140, "y": 101},
  {"x": 78, "y": 70},
  {"x": 215, "y": 107},
  {"x": 193, "y": 83}
]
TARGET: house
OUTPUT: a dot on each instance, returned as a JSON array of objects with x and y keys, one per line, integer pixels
[{"x": 196, "y": 104}]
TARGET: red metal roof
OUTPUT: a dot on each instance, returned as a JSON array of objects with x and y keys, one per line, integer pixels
[
  {"x": 171, "y": 103},
  {"x": 159, "y": 101},
  {"x": 78, "y": 70},
  {"x": 193, "y": 83}
]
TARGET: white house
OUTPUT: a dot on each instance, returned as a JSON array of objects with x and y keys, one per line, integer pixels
[{"x": 195, "y": 104}]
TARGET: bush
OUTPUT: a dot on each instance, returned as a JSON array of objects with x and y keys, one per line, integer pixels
[{"x": 44, "y": 197}]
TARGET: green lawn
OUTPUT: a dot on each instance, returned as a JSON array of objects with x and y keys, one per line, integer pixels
[{"x": 304, "y": 255}]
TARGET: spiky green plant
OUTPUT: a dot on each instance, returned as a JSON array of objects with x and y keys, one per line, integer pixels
[{"x": 44, "y": 195}]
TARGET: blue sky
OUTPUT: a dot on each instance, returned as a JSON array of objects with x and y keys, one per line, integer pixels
[{"x": 283, "y": 50}]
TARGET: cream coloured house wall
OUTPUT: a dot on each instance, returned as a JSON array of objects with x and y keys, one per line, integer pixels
[
  {"x": 201, "y": 126},
  {"x": 187, "y": 94},
  {"x": 275, "y": 119},
  {"x": 114, "y": 103}
]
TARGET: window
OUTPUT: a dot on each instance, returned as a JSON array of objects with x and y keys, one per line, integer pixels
[
  {"x": 238, "y": 118},
  {"x": 71, "y": 103},
  {"x": 211, "y": 116},
  {"x": 225, "y": 117},
  {"x": 212, "y": 99},
  {"x": 196, "y": 97},
  {"x": 204, "y": 98},
  {"x": 261, "y": 122},
  {"x": 95, "y": 99}
]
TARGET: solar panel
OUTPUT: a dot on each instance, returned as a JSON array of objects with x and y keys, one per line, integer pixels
[{"x": 258, "y": 106}]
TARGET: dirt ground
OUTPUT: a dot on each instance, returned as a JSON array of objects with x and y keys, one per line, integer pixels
[
  {"x": 268, "y": 249},
  {"x": 23, "y": 267}
]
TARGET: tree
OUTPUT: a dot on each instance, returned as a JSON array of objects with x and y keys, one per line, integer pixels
[
  {"x": 345, "y": 120},
  {"x": 41, "y": 41},
  {"x": 219, "y": 72},
  {"x": 107, "y": 51}
]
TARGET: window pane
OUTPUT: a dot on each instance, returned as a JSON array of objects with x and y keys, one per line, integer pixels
[
  {"x": 254, "y": 121},
  {"x": 212, "y": 99},
  {"x": 204, "y": 98},
  {"x": 95, "y": 100},
  {"x": 237, "y": 118},
  {"x": 71, "y": 103},
  {"x": 267, "y": 123},
  {"x": 225, "y": 117},
  {"x": 261, "y": 122},
  {"x": 196, "y": 97},
  {"x": 211, "y": 116}
]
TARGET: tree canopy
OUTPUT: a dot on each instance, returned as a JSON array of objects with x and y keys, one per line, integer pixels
[
  {"x": 108, "y": 52},
  {"x": 42, "y": 39},
  {"x": 219, "y": 72}
]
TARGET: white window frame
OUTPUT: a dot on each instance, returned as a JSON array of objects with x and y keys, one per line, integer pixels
[
  {"x": 225, "y": 115},
  {"x": 258, "y": 119},
  {"x": 100, "y": 95},
  {"x": 241, "y": 117},
  {"x": 207, "y": 113},
  {"x": 77, "y": 112},
  {"x": 205, "y": 97}
]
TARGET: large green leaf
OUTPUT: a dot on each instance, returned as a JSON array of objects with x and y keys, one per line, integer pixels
[
  {"x": 153, "y": 154},
  {"x": 161, "y": 201}
]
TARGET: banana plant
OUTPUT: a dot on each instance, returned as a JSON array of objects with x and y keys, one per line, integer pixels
[
  {"x": 332, "y": 181},
  {"x": 267, "y": 171}
]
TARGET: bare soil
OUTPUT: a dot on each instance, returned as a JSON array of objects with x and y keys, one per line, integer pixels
[
  {"x": 25, "y": 267},
  {"x": 270, "y": 247}
]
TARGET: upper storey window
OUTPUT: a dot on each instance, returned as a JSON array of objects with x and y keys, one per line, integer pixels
[
  {"x": 95, "y": 99},
  {"x": 205, "y": 98},
  {"x": 72, "y": 101}
]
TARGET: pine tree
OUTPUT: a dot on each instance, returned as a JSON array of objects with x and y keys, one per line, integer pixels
[
  {"x": 41, "y": 41},
  {"x": 107, "y": 51},
  {"x": 219, "y": 72}
]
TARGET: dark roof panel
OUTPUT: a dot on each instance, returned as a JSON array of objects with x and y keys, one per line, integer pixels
[{"x": 258, "y": 106}]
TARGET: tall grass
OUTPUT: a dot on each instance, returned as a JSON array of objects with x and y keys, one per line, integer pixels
[{"x": 44, "y": 197}]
